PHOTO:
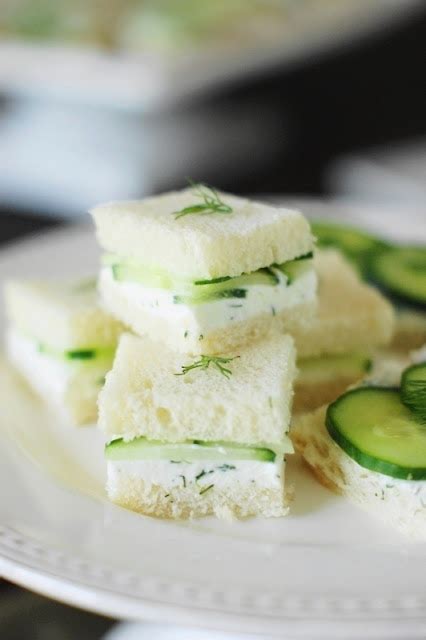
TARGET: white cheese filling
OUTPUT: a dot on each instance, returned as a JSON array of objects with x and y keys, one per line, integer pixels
[
  {"x": 48, "y": 375},
  {"x": 201, "y": 474},
  {"x": 202, "y": 317}
]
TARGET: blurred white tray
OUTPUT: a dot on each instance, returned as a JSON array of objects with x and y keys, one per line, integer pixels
[
  {"x": 125, "y": 80},
  {"x": 328, "y": 570}
]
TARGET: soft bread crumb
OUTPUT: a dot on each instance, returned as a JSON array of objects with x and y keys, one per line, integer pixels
[
  {"x": 410, "y": 330},
  {"x": 352, "y": 316},
  {"x": 237, "y": 501},
  {"x": 144, "y": 396},
  {"x": 310, "y": 396}
]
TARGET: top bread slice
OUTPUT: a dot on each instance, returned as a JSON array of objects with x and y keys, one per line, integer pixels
[
  {"x": 62, "y": 315},
  {"x": 202, "y": 245},
  {"x": 144, "y": 396},
  {"x": 352, "y": 316}
]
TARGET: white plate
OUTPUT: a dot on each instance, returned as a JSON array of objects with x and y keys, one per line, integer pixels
[
  {"x": 151, "y": 81},
  {"x": 328, "y": 570}
]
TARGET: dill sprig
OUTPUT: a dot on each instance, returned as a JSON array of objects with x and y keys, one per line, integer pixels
[
  {"x": 210, "y": 202},
  {"x": 205, "y": 361}
]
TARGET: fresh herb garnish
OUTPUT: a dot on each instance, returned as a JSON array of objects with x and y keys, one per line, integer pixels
[
  {"x": 206, "y": 489},
  {"x": 202, "y": 474},
  {"x": 210, "y": 202},
  {"x": 205, "y": 361},
  {"x": 184, "y": 481},
  {"x": 226, "y": 467}
]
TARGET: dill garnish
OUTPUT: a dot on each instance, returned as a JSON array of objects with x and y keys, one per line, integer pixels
[
  {"x": 210, "y": 202},
  {"x": 227, "y": 467},
  {"x": 203, "y": 473},
  {"x": 205, "y": 361},
  {"x": 206, "y": 489}
]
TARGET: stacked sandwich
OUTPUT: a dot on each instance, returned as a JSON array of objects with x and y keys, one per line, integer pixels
[{"x": 197, "y": 406}]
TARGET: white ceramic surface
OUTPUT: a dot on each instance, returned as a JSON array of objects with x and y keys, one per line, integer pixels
[{"x": 327, "y": 570}]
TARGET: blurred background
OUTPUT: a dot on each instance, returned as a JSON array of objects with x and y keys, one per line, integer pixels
[{"x": 109, "y": 99}]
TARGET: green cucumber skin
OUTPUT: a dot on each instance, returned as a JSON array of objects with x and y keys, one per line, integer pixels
[
  {"x": 361, "y": 457},
  {"x": 399, "y": 295},
  {"x": 413, "y": 389},
  {"x": 120, "y": 450}
]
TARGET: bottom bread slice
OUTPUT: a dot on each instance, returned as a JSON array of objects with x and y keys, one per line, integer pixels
[
  {"x": 198, "y": 493},
  {"x": 400, "y": 503}
]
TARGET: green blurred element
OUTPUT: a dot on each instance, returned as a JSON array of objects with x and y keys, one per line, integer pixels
[
  {"x": 401, "y": 273},
  {"x": 168, "y": 24},
  {"x": 63, "y": 21},
  {"x": 355, "y": 244}
]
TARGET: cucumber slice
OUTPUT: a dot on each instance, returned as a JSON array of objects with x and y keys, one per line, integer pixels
[
  {"x": 379, "y": 432},
  {"x": 401, "y": 272},
  {"x": 133, "y": 273},
  {"x": 77, "y": 354},
  {"x": 143, "y": 449},
  {"x": 208, "y": 290},
  {"x": 354, "y": 243},
  {"x": 323, "y": 369},
  {"x": 296, "y": 268},
  {"x": 413, "y": 389}
]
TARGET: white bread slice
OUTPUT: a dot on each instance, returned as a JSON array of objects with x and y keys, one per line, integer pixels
[
  {"x": 202, "y": 246},
  {"x": 235, "y": 501},
  {"x": 63, "y": 315},
  {"x": 173, "y": 331},
  {"x": 399, "y": 503},
  {"x": 352, "y": 316},
  {"x": 143, "y": 396}
]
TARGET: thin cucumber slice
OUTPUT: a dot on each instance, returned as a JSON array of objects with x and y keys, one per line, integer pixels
[
  {"x": 143, "y": 449},
  {"x": 379, "y": 432},
  {"x": 401, "y": 272},
  {"x": 354, "y": 243},
  {"x": 323, "y": 369},
  {"x": 296, "y": 268},
  {"x": 186, "y": 292},
  {"x": 413, "y": 389},
  {"x": 206, "y": 291},
  {"x": 133, "y": 273}
]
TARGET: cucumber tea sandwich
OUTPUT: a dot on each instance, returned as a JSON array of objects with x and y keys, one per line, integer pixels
[
  {"x": 370, "y": 446},
  {"x": 204, "y": 271},
  {"x": 190, "y": 436},
  {"x": 61, "y": 341}
]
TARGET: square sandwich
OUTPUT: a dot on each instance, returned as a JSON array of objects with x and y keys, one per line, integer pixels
[
  {"x": 190, "y": 436},
  {"x": 61, "y": 341},
  {"x": 353, "y": 319},
  {"x": 205, "y": 272}
]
